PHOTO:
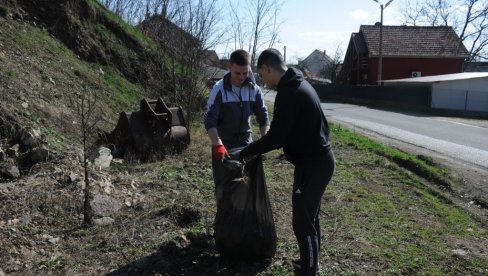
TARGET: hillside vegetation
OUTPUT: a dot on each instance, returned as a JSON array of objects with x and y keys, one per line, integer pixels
[
  {"x": 382, "y": 213},
  {"x": 53, "y": 51}
]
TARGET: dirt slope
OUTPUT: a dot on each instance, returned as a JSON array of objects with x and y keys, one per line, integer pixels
[
  {"x": 52, "y": 50},
  {"x": 50, "y": 53}
]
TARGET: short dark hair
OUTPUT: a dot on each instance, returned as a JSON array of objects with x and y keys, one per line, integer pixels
[
  {"x": 240, "y": 57},
  {"x": 271, "y": 58}
]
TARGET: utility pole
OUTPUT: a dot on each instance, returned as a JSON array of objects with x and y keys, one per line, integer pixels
[
  {"x": 380, "y": 56},
  {"x": 284, "y": 53}
]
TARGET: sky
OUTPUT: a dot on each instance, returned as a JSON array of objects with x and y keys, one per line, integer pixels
[{"x": 326, "y": 25}]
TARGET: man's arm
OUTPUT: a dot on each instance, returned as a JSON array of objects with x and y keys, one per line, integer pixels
[
  {"x": 284, "y": 118},
  {"x": 212, "y": 115},
  {"x": 213, "y": 134}
]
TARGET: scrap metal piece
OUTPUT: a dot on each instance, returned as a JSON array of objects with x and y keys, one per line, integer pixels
[{"x": 154, "y": 129}]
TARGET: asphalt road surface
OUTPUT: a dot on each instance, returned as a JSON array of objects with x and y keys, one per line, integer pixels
[{"x": 464, "y": 140}]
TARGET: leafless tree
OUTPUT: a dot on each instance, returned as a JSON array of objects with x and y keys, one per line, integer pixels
[
  {"x": 335, "y": 62},
  {"x": 469, "y": 18},
  {"x": 130, "y": 11},
  {"x": 255, "y": 25},
  {"x": 86, "y": 105},
  {"x": 202, "y": 24},
  {"x": 185, "y": 30},
  {"x": 236, "y": 26}
]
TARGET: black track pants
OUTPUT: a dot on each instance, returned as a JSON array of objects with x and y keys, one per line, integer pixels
[{"x": 309, "y": 185}]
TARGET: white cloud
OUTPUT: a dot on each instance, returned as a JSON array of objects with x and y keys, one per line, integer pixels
[{"x": 359, "y": 14}]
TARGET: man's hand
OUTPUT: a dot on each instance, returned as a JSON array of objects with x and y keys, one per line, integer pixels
[{"x": 219, "y": 152}]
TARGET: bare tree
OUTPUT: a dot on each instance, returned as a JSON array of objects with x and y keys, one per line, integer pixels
[
  {"x": 255, "y": 25},
  {"x": 236, "y": 26},
  {"x": 199, "y": 20},
  {"x": 469, "y": 18},
  {"x": 185, "y": 30},
  {"x": 131, "y": 11},
  {"x": 86, "y": 105},
  {"x": 335, "y": 62}
]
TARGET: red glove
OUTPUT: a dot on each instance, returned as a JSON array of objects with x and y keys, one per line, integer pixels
[{"x": 220, "y": 152}]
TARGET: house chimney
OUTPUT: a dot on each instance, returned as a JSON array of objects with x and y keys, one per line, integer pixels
[{"x": 325, "y": 53}]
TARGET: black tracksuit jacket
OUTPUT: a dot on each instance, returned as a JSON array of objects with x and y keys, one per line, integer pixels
[{"x": 299, "y": 125}]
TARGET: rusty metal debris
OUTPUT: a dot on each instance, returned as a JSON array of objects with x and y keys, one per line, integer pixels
[{"x": 154, "y": 129}]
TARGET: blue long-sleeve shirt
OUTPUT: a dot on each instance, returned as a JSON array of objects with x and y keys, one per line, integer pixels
[{"x": 229, "y": 110}]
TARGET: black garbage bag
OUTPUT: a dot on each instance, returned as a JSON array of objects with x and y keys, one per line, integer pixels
[{"x": 244, "y": 226}]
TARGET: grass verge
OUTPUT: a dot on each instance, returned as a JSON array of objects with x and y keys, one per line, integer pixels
[
  {"x": 377, "y": 217},
  {"x": 419, "y": 164},
  {"x": 380, "y": 218}
]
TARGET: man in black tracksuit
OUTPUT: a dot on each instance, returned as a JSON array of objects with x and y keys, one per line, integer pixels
[{"x": 300, "y": 128}]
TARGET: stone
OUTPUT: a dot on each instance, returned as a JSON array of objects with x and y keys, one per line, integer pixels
[
  {"x": 13, "y": 151},
  {"x": 44, "y": 236},
  {"x": 54, "y": 240},
  {"x": 103, "y": 158},
  {"x": 103, "y": 221},
  {"x": 118, "y": 161},
  {"x": 81, "y": 185},
  {"x": 72, "y": 177},
  {"x": 39, "y": 154},
  {"x": 29, "y": 137},
  {"x": 10, "y": 172},
  {"x": 3, "y": 155},
  {"x": 14, "y": 221},
  {"x": 104, "y": 205},
  {"x": 106, "y": 186},
  {"x": 460, "y": 252}
]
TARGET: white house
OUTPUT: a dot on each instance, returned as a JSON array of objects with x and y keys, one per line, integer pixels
[
  {"x": 461, "y": 91},
  {"x": 317, "y": 65}
]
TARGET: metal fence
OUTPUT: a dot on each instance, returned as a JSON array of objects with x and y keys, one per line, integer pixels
[{"x": 402, "y": 95}]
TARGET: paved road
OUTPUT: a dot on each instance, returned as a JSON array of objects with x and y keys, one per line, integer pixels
[
  {"x": 461, "y": 140},
  {"x": 466, "y": 140}
]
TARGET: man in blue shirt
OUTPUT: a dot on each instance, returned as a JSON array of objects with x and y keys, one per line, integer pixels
[{"x": 230, "y": 105}]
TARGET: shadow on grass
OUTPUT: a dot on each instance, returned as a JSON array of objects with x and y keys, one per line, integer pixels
[{"x": 199, "y": 257}]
